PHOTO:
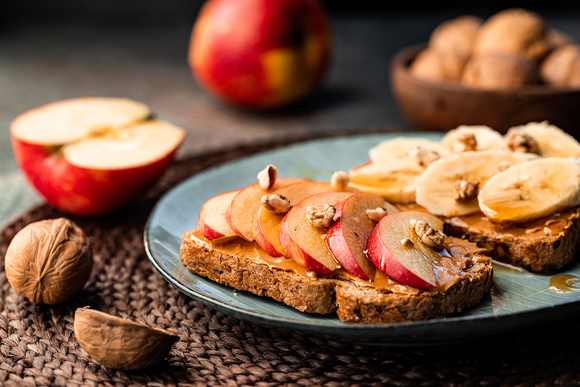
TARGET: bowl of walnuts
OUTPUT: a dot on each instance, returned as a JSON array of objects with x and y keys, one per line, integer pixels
[{"x": 509, "y": 69}]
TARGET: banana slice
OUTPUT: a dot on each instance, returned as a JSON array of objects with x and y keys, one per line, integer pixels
[
  {"x": 552, "y": 141},
  {"x": 531, "y": 190},
  {"x": 440, "y": 187},
  {"x": 399, "y": 148},
  {"x": 394, "y": 181},
  {"x": 473, "y": 137}
]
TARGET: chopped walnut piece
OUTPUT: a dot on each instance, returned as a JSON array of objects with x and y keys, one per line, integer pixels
[
  {"x": 424, "y": 156},
  {"x": 276, "y": 203},
  {"x": 465, "y": 142},
  {"x": 267, "y": 177},
  {"x": 320, "y": 216},
  {"x": 464, "y": 191},
  {"x": 503, "y": 166},
  {"x": 427, "y": 234},
  {"x": 339, "y": 181},
  {"x": 376, "y": 214},
  {"x": 406, "y": 242},
  {"x": 518, "y": 141}
]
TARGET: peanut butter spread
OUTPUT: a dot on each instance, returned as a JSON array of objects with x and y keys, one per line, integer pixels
[
  {"x": 550, "y": 225},
  {"x": 456, "y": 256}
]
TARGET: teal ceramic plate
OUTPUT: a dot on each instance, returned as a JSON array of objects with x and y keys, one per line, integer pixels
[{"x": 517, "y": 299}]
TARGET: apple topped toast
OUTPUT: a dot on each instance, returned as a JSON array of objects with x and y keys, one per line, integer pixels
[
  {"x": 325, "y": 247},
  {"x": 516, "y": 195}
]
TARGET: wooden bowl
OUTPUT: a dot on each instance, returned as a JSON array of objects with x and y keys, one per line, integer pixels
[{"x": 444, "y": 106}]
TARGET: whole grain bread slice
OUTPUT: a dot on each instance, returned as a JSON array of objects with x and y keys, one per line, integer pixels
[
  {"x": 538, "y": 247},
  {"x": 352, "y": 299}
]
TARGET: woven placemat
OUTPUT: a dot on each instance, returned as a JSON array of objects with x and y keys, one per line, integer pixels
[{"x": 38, "y": 346}]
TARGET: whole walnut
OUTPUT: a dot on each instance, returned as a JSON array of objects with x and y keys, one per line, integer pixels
[
  {"x": 513, "y": 31},
  {"x": 433, "y": 65},
  {"x": 456, "y": 36},
  {"x": 49, "y": 261},
  {"x": 500, "y": 72},
  {"x": 558, "y": 67}
]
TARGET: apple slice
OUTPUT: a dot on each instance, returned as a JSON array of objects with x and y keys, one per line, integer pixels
[
  {"x": 267, "y": 223},
  {"x": 347, "y": 237},
  {"x": 305, "y": 243},
  {"x": 212, "y": 216},
  {"x": 241, "y": 211},
  {"x": 414, "y": 266},
  {"x": 90, "y": 156}
]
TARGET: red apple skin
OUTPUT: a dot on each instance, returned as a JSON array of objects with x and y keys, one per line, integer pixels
[
  {"x": 204, "y": 225},
  {"x": 260, "y": 53},
  {"x": 81, "y": 191},
  {"x": 262, "y": 240},
  {"x": 293, "y": 247},
  {"x": 337, "y": 244},
  {"x": 294, "y": 192},
  {"x": 389, "y": 264},
  {"x": 293, "y": 250},
  {"x": 383, "y": 258}
]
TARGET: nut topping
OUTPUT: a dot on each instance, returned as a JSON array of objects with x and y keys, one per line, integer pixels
[
  {"x": 276, "y": 203},
  {"x": 406, "y": 242},
  {"x": 320, "y": 216},
  {"x": 519, "y": 141},
  {"x": 464, "y": 191},
  {"x": 427, "y": 234},
  {"x": 424, "y": 156},
  {"x": 376, "y": 214},
  {"x": 339, "y": 181},
  {"x": 465, "y": 142},
  {"x": 49, "y": 261},
  {"x": 267, "y": 177}
]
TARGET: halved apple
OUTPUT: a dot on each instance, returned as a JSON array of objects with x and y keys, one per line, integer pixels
[
  {"x": 90, "y": 156},
  {"x": 267, "y": 223},
  {"x": 211, "y": 220},
  {"x": 347, "y": 237},
  {"x": 241, "y": 211},
  {"x": 305, "y": 243},
  {"x": 414, "y": 266}
]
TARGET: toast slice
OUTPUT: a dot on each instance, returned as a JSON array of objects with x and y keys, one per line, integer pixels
[
  {"x": 542, "y": 246},
  {"x": 244, "y": 266}
]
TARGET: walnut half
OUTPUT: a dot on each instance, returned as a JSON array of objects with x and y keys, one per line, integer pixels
[
  {"x": 518, "y": 141},
  {"x": 49, "y": 261},
  {"x": 427, "y": 234},
  {"x": 464, "y": 191},
  {"x": 320, "y": 216}
]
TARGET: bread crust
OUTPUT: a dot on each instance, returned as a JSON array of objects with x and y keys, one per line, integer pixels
[
  {"x": 544, "y": 254},
  {"x": 350, "y": 299}
]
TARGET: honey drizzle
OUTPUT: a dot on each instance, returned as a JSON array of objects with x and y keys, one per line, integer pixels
[{"x": 564, "y": 283}]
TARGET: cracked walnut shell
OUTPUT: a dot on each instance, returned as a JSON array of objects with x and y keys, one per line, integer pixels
[
  {"x": 119, "y": 343},
  {"x": 49, "y": 261}
]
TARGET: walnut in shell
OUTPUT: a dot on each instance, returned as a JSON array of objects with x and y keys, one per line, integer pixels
[
  {"x": 559, "y": 65},
  {"x": 49, "y": 261},
  {"x": 513, "y": 31},
  {"x": 120, "y": 343},
  {"x": 456, "y": 36},
  {"x": 437, "y": 66},
  {"x": 498, "y": 71}
]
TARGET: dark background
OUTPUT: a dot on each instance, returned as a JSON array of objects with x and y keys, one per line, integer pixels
[{"x": 171, "y": 11}]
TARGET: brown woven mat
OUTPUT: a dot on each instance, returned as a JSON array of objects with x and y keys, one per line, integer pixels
[{"x": 38, "y": 346}]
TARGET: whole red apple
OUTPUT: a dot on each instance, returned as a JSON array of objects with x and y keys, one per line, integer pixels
[{"x": 260, "y": 53}]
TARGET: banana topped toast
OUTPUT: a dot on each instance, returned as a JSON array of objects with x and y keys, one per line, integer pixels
[
  {"x": 325, "y": 247},
  {"x": 516, "y": 195}
]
